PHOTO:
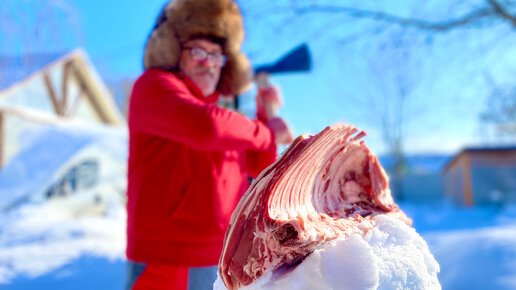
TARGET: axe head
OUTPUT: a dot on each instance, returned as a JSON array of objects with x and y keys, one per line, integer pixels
[{"x": 296, "y": 60}]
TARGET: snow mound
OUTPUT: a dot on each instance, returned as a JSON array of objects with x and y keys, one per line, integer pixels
[
  {"x": 37, "y": 239},
  {"x": 390, "y": 256}
]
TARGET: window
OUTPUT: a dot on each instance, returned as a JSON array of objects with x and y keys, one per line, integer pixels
[{"x": 80, "y": 177}]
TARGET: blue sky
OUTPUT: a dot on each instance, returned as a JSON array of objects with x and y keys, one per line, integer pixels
[
  {"x": 354, "y": 74},
  {"x": 115, "y": 33}
]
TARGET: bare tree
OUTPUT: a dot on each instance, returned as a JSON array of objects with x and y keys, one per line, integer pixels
[
  {"x": 121, "y": 91},
  {"x": 391, "y": 67},
  {"x": 352, "y": 21},
  {"x": 29, "y": 27},
  {"x": 486, "y": 12},
  {"x": 394, "y": 37},
  {"x": 500, "y": 111}
]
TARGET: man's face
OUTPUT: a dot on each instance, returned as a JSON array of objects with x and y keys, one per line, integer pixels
[{"x": 204, "y": 73}]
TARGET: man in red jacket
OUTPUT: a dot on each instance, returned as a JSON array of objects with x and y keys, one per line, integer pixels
[{"x": 190, "y": 160}]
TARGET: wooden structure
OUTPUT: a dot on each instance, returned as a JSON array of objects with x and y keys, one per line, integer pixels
[
  {"x": 68, "y": 89},
  {"x": 482, "y": 176}
]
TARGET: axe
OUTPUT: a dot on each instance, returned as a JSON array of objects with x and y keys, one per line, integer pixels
[{"x": 296, "y": 60}]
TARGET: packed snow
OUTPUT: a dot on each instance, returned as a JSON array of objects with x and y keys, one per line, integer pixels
[{"x": 390, "y": 256}]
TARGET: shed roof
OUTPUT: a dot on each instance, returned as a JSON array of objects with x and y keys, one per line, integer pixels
[
  {"x": 490, "y": 148},
  {"x": 478, "y": 149}
]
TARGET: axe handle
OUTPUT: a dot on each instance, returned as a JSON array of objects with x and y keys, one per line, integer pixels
[{"x": 263, "y": 80}]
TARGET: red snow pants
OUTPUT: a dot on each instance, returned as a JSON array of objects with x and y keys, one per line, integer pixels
[{"x": 162, "y": 277}]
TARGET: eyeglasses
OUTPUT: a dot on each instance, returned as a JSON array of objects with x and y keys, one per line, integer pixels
[{"x": 199, "y": 54}]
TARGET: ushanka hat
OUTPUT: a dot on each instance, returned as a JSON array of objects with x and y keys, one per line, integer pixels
[{"x": 182, "y": 20}]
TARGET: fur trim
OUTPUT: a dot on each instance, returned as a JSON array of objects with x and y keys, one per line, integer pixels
[{"x": 182, "y": 20}]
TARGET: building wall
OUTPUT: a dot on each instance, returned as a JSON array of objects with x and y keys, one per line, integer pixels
[
  {"x": 453, "y": 184},
  {"x": 482, "y": 176},
  {"x": 494, "y": 184}
]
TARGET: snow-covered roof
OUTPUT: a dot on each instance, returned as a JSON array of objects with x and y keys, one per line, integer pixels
[
  {"x": 49, "y": 88},
  {"x": 49, "y": 147},
  {"x": 52, "y": 69}
]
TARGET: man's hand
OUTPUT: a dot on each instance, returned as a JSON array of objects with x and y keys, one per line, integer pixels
[
  {"x": 268, "y": 101},
  {"x": 281, "y": 130}
]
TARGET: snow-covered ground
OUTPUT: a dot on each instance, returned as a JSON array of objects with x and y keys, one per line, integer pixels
[
  {"x": 43, "y": 249},
  {"x": 61, "y": 208},
  {"x": 475, "y": 247}
]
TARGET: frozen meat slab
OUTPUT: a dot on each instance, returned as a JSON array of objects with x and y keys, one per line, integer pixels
[{"x": 323, "y": 187}]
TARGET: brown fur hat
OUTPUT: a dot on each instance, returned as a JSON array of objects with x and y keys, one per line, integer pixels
[{"x": 182, "y": 20}]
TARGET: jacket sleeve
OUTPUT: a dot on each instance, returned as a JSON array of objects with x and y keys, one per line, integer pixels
[{"x": 162, "y": 105}]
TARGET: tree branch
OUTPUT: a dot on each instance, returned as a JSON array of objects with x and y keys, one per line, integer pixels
[
  {"x": 502, "y": 11},
  {"x": 442, "y": 26}
]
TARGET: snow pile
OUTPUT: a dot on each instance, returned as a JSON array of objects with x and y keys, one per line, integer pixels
[
  {"x": 39, "y": 235},
  {"x": 475, "y": 247},
  {"x": 38, "y": 239},
  {"x": 390, "y": 256},
  {"x": 487, "y": 256}
]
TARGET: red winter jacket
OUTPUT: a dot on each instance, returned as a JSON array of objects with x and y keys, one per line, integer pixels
[{"x": 189, "y": 164}]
